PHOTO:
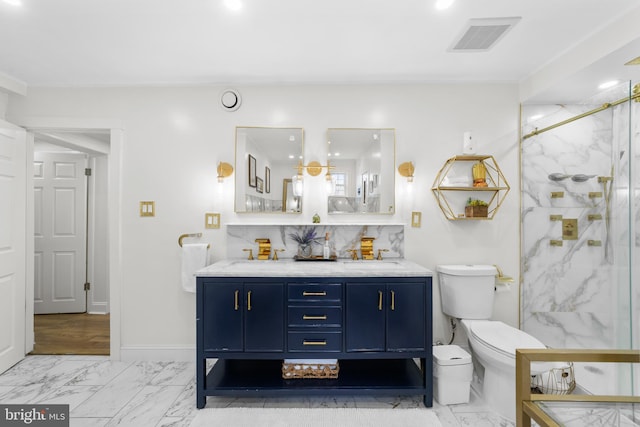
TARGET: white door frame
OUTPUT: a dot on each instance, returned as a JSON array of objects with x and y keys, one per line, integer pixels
[{"x": 114, "y": 155}]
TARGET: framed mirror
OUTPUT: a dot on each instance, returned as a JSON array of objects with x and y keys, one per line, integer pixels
[
  {"x": 266, "y": 160},
  {"x": 362, "y": 170}
]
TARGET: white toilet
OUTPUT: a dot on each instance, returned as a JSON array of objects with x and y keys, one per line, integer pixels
[{"x": 466, "y": 293}]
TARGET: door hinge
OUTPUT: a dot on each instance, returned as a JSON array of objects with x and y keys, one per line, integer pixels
[
  {"x": 87, "y": 171},
  {"x": 87, "y": 286}
]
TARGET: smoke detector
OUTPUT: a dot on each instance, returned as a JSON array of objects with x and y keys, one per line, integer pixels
[{"x": 481, "y": 34}]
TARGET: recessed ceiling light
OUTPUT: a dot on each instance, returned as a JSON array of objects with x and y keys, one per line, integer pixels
[
  {"x": 444, "y": 4},
  {"x": 607, "y": 85},
  {"x": 233, "y": 5}
]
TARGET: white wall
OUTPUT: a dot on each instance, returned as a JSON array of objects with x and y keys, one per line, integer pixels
[{"x": 175, "y": 136}]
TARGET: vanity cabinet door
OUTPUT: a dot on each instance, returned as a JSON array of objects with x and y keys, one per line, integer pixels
[
  {"x": 240, "y": 316},
  {"x": 365, "y": 316},
  {"x": 406, "y": 317},
  {"x": 385, "y": 316},
  {"x": 222, "y": 318},
  {"x": 264, "y": 317}
]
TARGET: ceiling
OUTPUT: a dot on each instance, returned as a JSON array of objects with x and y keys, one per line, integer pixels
[{"x": 175, "y": 42}]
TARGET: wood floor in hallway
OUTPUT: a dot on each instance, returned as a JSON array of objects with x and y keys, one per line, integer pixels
[{"x": 81, "y": 333}]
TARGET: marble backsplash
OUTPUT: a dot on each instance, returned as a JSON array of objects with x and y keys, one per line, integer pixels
[{"x": 342, "y": 237}]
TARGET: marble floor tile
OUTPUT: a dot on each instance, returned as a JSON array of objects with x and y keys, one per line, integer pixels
[
  {"x": 177, "y": 373},
  {"x": 147, "y": 407},
  {"x": 88, "y": 422},
  {"x": 117, "y": 393},
  {"x": 99, "y": 373},
  {"x": 102, "y": 393}
]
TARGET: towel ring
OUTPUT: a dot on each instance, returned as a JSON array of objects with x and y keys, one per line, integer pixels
[{"x": 183, "y": 236}]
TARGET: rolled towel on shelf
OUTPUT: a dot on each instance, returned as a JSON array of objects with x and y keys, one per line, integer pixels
[{"x": 194, "y": 258}]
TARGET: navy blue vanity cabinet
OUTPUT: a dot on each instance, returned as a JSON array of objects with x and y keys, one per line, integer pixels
[
  {"x": 243, "y": 316},
  {"x": 376, "y": 327},
  {"x": 385, "y": 316}
]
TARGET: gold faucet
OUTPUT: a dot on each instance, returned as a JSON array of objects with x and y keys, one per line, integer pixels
[
  {"x": 380, "y": 253},
  {"x": 250, "y": 254},
  {"x": 264, "y": 248},
  {"x": 275, "y": 253},
  {"x": 366, "y": 247},
  {"x": 354, "y": 254}
]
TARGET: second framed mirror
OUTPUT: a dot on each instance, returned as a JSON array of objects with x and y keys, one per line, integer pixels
[{"x": 362, "y": 170}]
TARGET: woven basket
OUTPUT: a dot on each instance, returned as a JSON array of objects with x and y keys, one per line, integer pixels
[
  {"x": 303, "y": 370},
  {"x": 555, "y": 381}
]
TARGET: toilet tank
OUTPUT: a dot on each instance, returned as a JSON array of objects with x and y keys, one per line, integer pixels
[{"x": 466, "y": 291}]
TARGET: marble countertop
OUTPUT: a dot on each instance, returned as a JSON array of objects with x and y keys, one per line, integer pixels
[{"x": 393, "y": 267}]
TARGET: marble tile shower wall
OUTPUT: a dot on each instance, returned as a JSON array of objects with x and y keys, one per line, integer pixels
[
  {"x": 575, "y": 295},
  {"x": 341, "y": 237}
]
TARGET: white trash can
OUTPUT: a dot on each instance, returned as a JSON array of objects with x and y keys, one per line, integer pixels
[{"x": 452, "y": 373}]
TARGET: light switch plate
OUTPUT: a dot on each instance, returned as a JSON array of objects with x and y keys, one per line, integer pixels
[
  {"x": 416, "y": 219},
  {"x": 211, "y": 220},
  {"x": 147, "y": 208}
]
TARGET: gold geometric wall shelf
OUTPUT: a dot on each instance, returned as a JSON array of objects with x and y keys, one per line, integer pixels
[{"x": 453, "y": 186}]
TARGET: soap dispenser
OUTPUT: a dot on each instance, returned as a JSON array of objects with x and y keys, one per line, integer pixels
[{"x": 326, "y": 251}]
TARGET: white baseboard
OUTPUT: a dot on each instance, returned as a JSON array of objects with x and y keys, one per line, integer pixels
[
  {"x": 98, "y": 308},
  {"x": 162, "y": 354}
]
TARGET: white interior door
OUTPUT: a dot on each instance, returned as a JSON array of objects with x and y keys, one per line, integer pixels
[
  {"x": 13, "y": 210},
  {"x": 60, "y": 232}
]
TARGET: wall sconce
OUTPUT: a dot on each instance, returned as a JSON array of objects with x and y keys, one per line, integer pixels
[
  {"x": 313, "y": 168},
  {"x": 224, "y": 170},
  {"x": 297, "y": 181},
  {"x": 406, "y": 169}
]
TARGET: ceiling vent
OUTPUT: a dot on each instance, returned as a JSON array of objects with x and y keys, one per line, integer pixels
[{"x": 482, "y": 34}]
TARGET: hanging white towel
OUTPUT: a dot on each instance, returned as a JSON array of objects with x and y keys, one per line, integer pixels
[{"x": 194, "y": 257}]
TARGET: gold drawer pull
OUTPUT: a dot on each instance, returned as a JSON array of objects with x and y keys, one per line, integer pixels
[
  {"x": 249, "y": 301},
  {"x": 323, "y": 342},
  {"x": 379, "y": 300},
  {"x": 393, "y": 300},
  {"x": 307, "y": 317},
  {"x": 314, "y": 294},
  {"x": 236, "y": 306}
]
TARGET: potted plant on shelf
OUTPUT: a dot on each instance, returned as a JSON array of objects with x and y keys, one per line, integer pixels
[
  {"x": 476, "y": 208},
  {"x": 305, "y": 238}
]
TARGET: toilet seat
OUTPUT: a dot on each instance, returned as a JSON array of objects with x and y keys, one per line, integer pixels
[{"x": 501, "y": 337}]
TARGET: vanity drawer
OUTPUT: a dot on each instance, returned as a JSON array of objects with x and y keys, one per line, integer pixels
[
  {"x": 315, "y": 292},
  {"x": 316, "y": 342},
  {"x": 315, "y": 316}
]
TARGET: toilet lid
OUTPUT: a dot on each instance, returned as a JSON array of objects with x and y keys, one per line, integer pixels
[{"x": 503, "y": 337}]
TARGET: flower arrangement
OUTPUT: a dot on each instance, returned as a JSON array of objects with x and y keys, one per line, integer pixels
[{"x": 305, "y": 237}]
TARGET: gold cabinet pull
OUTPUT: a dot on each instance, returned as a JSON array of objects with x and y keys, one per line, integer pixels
[
  {"x": 249, "y": 301},
  {"x": 379, "y": 300},
  {"x": 235, "y": 297},
  {"x": 307, "y": 317},
  {"x": 393, "y": 300},
  {"x": 323, "y": 342},
  {"x": 314, "y": 294}
]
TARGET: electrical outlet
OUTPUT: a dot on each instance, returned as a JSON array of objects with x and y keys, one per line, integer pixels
[
  {"x": 212, "y": 220},
  {"x": 147, "y": 208}
]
